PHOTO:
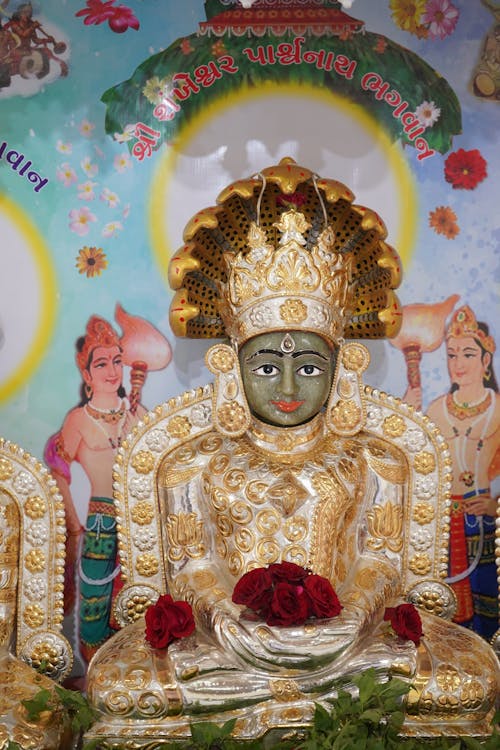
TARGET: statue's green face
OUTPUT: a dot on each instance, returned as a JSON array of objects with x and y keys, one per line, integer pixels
[{"x": 286, "y": 376}]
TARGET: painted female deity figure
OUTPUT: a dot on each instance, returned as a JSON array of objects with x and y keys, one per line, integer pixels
[
  {"x": 272, "y": 464},
  {"x": 90, "y": 435},
  {"x": 469, "y": 418}
]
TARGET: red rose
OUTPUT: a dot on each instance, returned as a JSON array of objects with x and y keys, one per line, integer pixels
[
  {"x": 324, "y": 600},
  {"x": 288, "y": 571},
  {"x": 167, "y": 620},
  {"x": 290, "y": 605},
  {"x": 254, "y": 589},
  {"x": 405, "y": 621}
]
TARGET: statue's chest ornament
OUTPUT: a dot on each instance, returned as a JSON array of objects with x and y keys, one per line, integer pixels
[{"x": 286, "y": 494}]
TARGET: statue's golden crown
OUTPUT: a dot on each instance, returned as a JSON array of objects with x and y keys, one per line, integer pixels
[
  {"x": 289, "y": 286},
  {"x": 285, "y": 249}
]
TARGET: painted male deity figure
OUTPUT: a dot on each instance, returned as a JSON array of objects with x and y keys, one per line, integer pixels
[{"x": 273, "y": 464}]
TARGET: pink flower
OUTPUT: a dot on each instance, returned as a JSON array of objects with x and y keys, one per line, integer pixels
[
  {"x": 119, "y": 17},
  {"x": 80, "y": 219},
  {"x": 121, "y": 162},
  {"x": 86, "y": 190},
  {"x": 112, "y": 228},
  {"x": 441, "y": 17},
  {"x": 66, "y": 174}
]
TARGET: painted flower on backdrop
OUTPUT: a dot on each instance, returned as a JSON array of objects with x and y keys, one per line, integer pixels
[
  {"x": 89, "y": 167},
  {"x": 440, "y": 18},
  {"x": 186, "y": 47},
  {"x": 86, "y": 190},
  {"x": 122, "y": 162},
  {"x": 127, "y": 135},
  {"x": 91, "y": 261},
  {"x": 444, "y": 221},
  {"x": 464, "y": 170},
  {"x": 119, "y": 17},
  {"x": 66, "y": 174},
  {"x": 64, "y": 147},
  {"x": 110, "y": 198},
  {"x": 426, "y": 19},
  {"x": 155, "y": 89},
  {"x": 80, "y": 220},
  {"x": 86, "y": 128},
  {"x": 427, "y": 114},
  {"x": 112, "y": 228},
  {"x": 218, "y": 48}
]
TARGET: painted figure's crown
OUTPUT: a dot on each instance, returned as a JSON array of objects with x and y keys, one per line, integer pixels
[{"x": 285, "y": 250}]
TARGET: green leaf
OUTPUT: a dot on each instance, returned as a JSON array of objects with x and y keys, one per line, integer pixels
[{"x": 38, "y": 704}]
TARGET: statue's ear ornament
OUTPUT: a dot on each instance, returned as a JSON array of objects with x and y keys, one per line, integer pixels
[
  {"x": 231, "y": 415},
  {"x": 346, "y": 410}
]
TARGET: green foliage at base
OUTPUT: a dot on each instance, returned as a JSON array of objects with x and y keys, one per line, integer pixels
[{"x": 372, "y": 720}]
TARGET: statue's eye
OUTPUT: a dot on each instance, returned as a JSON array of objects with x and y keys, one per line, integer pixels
[
  {"x": 309, "y": 370},
  {"x": 266, "y": 370}
]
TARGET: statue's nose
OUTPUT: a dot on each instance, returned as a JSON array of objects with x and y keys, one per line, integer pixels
[{"x": 288, "y": 383}]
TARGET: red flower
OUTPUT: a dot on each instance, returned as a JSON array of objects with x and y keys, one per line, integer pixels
[
  {"x": 290, "y": 605},
  {"x": 167, "y": 620},
  {"x": 405, "y": 621},
  {"x": 465, "y": 169},
  {"x": 119, "y": 17},
  {"x": 254, "y": 589},
  {"x": 295, "y": 199},
  {"x": 324, "y": 601},
  {"x": 288, "y": 571}
]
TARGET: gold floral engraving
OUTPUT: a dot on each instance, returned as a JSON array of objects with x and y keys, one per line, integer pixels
[
  {"x": 420, "y": 564},
  {"x": 147, "y": 565},
  {"x": 142, "y": 513},
  {"x": 35, "y": 507},
  {"x": 268, "y": 551},
  {"x": 268, "y": 522},
  {"x": 204, "y": 579},
  {"x": 244, "y": 540},
  {"x": 424, "y": 462},
  {"x": 328, "y": 519},
  {"x": 33, "y": 616},
  {"x": 231, "y": 416},
  {"x": 222, "y": 359},
  {"x": 448, "y": 677},
  {"x": 256, "y": 491},
  {"x": 35, "y": 561},
  {"x": 296, "y": 528},
  {"x": 234, "y": 480},
  {"x": 6, "y": 469},
  {"x": 366, "y": 579},
  {"x": 185, "y": 536},
  {"x": 472, "y": 695},
  {"x": 285, "y": 691},
  {"x": 235, "y": 563},
  {"x": 345, "y": 414},
  {"x": 293, "y": 311},
  {"x": 394, "y": 426},
  {"x": 241, "y": 512},
  {"x": 354, "y": 357},
  {"x": 143, "y": 462},
  {"x": 287, "y": 494},
  {"x": 179, "y": 427},
  {"x": 137, "y": 606},
  {"x": 423, "y": 513},
  {"x": 385, "y": 525}
]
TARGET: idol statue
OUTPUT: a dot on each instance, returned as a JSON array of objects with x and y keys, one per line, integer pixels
[{"x": 287, "y": 457}]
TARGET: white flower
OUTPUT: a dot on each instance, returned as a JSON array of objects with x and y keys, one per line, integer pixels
[
  {"x": 112, "y": 228},
  {"x": 36, "y": 589},
  {"x": 144, "y": 539},
  {"x": 201, "y": 415},
  {"x": 427, "y": 114},
  {"x": 127, "y": 135},
  {"x": 24, "y": 483},
  {"x": 261, "y": 317},
  {"x": 421, "y": 539},
  {"x": 89, "y": 167},
  {"x": 157, "y": 440},
  {"x": 107, "y": 196},
  {"x": 373, "y": 417},
  {"x": 425, "y": 487},
  {"x": 414, "y": 440},
  {"x": 37, "y": 534},
  {"x": 140, "y": 487}
]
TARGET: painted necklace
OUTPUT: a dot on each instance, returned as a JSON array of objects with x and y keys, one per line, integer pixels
[
  {"x": 108, "y": 416},
  {"x": 467, "y": 477}
]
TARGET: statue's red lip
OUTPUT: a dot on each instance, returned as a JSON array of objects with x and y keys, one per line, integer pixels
[{"x": 287, "y": 406}]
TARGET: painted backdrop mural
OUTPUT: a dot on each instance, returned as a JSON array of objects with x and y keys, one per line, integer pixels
[{"x": 119, "y": 121}]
